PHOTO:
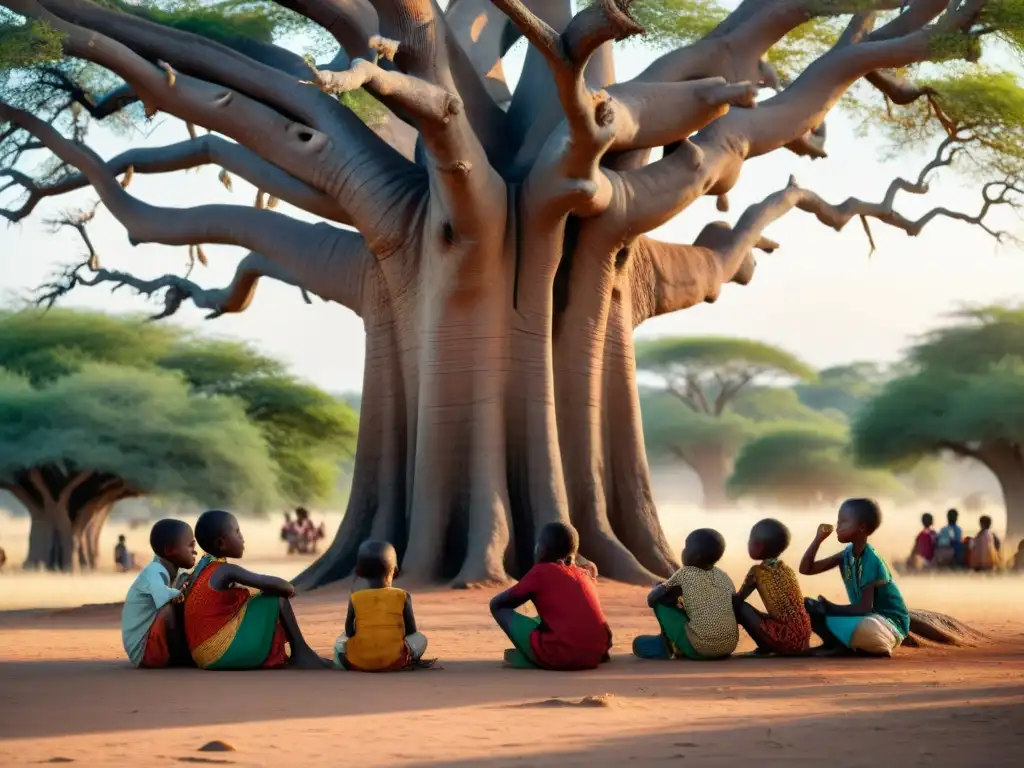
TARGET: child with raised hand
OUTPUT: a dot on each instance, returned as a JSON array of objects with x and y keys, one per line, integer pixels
[
  {"x": 694, "y": 607},
  {"x": 227, "y": 625},
  {"x": 571, "y": 631},
  {"x": 786, "y": 628},
  {"x": 877, "y": 620},
  {"x": 380, "y": 628},
  {"x": 152, "y": 631}
]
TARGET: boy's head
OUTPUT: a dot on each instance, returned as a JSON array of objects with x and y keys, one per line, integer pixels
[
  {"x": 858, "y": 519},
  {"x": 301, "y": 513},
  {"x": 927, "y": 520},
  {"x": 985, "y": 522},
  {"x": 217, "y": 532},
  {"x": 556, "y": 542},
  {"x": 768, "y": 539},
  {"x": 120, "y": 539},
  {"x": 952, "y": 516},
  {"x": 704, "y": 547},
  {"x": 172, "y": 540},
  {"x": 377, "y": 561}
]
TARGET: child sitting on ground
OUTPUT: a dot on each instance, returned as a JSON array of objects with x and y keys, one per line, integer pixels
[
  {"x": 152, "y": 631},
  {"x": 229, "y": 627},
  {"x": 694, "y": 607},
  {"x": 877, "y": 620},
  {"x": 571, "y": 631},
  {"x": 786, "y": 628},
  {"x": 984, "y": 553},
  {"x": 380, "y": 628},
  {"x": 923, "y": 553}
]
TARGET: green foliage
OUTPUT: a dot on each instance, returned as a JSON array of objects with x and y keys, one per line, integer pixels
[
  {"x": 803, "y": 465},
  {"x": 765, "y": 404},
  {"x": 966, "y": 389},
  {"x": 671, "y": 428},
  {"x": 980, "y": 338},
  {"x": 842, "y": 390},
  {"x": 307, "y": 433},
  {"x": 720, "y": 354},
  {"x": 677, "y": 22},
  {"x": 23, "y": 44},
  {"x": 144, "y": 426}
]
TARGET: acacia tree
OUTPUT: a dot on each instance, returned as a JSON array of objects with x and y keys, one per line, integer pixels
[
  {"x": 964, "y": 396},
  {"x": 706, "y": 375},
  {"x": 805, "y": 465},
  {"x": 74, "y": 447},
  {"x": 98, "y": 409},
  {"x": 500, "y": 267}
]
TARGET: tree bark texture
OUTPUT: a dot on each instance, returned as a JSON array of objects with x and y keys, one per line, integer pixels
[
  {"x": 713, "y": 466},
  {"x": 501, "y": 270},
  {"x": 68, "y": 509}
]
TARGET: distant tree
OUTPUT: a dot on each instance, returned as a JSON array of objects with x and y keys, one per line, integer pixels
[
  {"x": 843, "y": 389},
  {"x": 963, "y": 394},
  {"x": 303, "y": 433},
  {"x": 73, "y": 447},
  {"x": 707, "y": 376},
  {"x": 803, "y": 465}
]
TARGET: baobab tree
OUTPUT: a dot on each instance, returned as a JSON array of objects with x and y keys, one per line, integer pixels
[{"x": 499, "y": 261}]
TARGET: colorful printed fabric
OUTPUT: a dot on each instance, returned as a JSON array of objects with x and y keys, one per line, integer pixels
[
  {"x": 858, "y": 573},
  {"x": 788, "y": 626},
  {"x": 707, "y": 600},
  {"x": 157, "y": 653},
  {"x": 231, "y": 628}
]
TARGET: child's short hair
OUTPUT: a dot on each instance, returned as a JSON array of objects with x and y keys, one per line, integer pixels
[
  {"x": 209, "y": 527},
  {"x": 165, "y": 534},
  {"x": 559, "y": 540},
  {"x": 376, "y": 559},
  {"x": 772, "y": 534},
  {"x": 985, "y": 522},
  {"x": 706, "y": 545},
  {"x": 120, "y": 538},
  {"x": 866, "y": 513},
  {"x": 927, "y": 520},
  {"x": 951, "y": 516}
]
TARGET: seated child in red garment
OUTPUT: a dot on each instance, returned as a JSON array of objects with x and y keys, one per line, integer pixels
[
  {"x": 228, "y": 623},
  {"x": 786, "y": 628},
  {"x": 571, "y": 631}
]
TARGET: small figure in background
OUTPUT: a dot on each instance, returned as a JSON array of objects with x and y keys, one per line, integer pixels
[
  {"x": 923, "y": 554},
  {"x": 124, "y": 560},
  {"x": 949, "y": 543},
  {"x": 984, "y": 554}
]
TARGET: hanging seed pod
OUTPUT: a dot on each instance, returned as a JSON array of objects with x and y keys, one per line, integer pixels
[
  {"x": 225, "y": 179},
  {"x": 191, "y": 130},
  {"x": 171, "y": 76},
  {"x": 261, "y": 202},
  {"x": 272, "y": 202},
  {"x": 129, "y": 174},
  {"x": 201, "y": 256}
]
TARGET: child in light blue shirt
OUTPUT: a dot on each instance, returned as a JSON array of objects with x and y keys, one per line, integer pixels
[{"x": 152, "y": 632}]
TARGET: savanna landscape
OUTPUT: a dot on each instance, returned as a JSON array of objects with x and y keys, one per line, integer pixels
[{"x": 448, "y": 273}]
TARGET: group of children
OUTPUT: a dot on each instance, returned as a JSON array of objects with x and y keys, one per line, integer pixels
[
  {"x": 950, "y": 549},
  {"x": 220, "y": 616}
]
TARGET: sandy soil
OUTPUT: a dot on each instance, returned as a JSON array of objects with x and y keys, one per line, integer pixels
[{"x": 66, "y": 694}]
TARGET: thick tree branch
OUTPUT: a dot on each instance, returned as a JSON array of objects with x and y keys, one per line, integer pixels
[
  {"x": 203, "y": 150},
  {"x": 657, "y": 114},
  {"x": 374, "y": 185},
  {"x": 276, "y": 235},
  {"x": 351, "y": 22},
  {"x": 422, "y": 100},
  {"x": 803, "y": 106}
]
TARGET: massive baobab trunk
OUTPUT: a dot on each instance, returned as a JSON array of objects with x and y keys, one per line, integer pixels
[{"x": 501, "y": 271}]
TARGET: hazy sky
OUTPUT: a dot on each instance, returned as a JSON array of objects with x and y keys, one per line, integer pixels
[{"x": 819, "y": 295}]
